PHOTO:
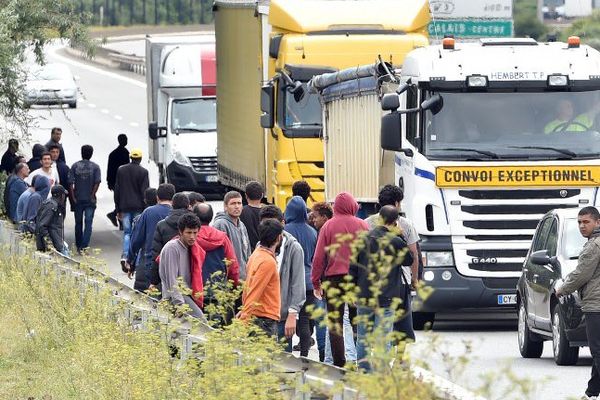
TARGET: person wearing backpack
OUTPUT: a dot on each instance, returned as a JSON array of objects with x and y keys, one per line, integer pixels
[
  {"x": 220, "y": 263},
  {"x": 49, "y": 222},
  {"x": 31, "y": 207}
]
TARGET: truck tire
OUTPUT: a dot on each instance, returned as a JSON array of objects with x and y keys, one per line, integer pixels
[
  {"x": 423, "y": 320},
  {"x": 530, "y": 345},
  {"x": 564, "y": 354}
]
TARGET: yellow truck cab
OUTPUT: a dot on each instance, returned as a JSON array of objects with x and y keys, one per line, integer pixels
[{"x": 269, "y": 123}]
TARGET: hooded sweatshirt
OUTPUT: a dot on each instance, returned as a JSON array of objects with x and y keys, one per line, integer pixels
[
  {"x": 238, "y": 236},
  {"x": 36, "y": 159},
  {"x": 30, "y": 209},
  {"x": 166, "y": 230},
  {"x": 211, "y": 240},
  {"x": 296, "y": 223},
  {"x": 290, "y": 260},
  {"x": 343, "y": 223}
]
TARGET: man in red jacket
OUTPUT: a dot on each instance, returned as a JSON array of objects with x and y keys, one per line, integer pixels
[
  {"x": 341, "y": 230},
  {"x": 220, "y": 263}
]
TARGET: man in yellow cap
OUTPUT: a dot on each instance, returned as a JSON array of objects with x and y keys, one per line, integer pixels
[{"x": 132, "y": 181}]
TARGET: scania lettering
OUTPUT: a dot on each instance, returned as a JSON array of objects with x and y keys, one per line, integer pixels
[{"x": 489, "y": 136}]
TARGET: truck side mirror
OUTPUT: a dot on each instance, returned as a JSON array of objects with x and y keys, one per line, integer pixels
[
  {"x": 267, "y": 106},
  {"x": 434, "y": 104},
  {"x": 153, "y": 130},
  {"x": 390, "y": 102},
  {"x": 391, "y": 131}
]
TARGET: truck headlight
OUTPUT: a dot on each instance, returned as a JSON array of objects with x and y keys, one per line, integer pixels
[
  {"x": 438, "y": 259},
  {"x": 180, "y": 159}
]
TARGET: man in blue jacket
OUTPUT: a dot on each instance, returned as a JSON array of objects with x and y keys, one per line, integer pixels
[
  {"x": 143, "y": 234},
  {"x": 15, "y": 189}
]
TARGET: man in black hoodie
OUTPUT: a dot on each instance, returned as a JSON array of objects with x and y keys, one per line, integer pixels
[
  {"x": 35, "y": 162},
  {"x": 166, "y": 230},
  {"x": 50, "y": 221},
  {"x": 116, "y": 158}
]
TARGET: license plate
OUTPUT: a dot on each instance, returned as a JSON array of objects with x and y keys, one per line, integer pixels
[
  {"x": 212, "y": 178},
  {"x": 507, "y": 299}
]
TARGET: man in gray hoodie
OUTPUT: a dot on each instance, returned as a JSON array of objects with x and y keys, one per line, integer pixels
[
  {"x": 228, "y": 221},
  {"x": 290, "y": 265}
]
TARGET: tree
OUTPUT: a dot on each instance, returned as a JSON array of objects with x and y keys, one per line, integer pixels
[
  {"x": 526, "y": 22},
  {"x": 30, "y": 25}
]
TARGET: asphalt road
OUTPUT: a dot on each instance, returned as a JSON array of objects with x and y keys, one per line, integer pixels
[{"x": 113, "y": 102}]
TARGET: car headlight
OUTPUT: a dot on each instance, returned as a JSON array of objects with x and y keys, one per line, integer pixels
[
  {"x": 179, "y": 158},
  {"x": 438, "y": 259}
]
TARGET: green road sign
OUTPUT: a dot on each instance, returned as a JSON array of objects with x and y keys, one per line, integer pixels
[{"x": 471, "y": 28}]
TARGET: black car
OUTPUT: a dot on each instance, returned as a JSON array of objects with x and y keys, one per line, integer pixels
[{"x": 541, "y": 314}]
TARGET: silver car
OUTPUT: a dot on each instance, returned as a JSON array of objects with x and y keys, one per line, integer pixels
[{"x": 51, "y": 84}]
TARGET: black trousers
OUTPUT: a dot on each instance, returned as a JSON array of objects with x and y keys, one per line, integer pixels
[
  {"x": 306, "y": 324},
  {"x": 269, "y": 326},
  {"x": 592, "y": 328},
  {"x": 336, "y": 311}
]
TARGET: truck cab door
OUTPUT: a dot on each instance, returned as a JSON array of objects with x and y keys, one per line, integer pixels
[{"x": 404, "y": 163}]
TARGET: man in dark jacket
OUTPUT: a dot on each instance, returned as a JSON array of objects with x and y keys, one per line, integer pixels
[
  {"x": 132, "y": 181},
  {"x": 35, "y": 162},
  {"x": 50, "y": 221},
  {"x": 15, "y": 189},
  {"x": 10, "y": 157},
  {"x": 166, "y": 230},
  {"x": 373, "y": 271},
  {"x": 249, "y": 216},
  {"x": 116, "y": 158},
  {"x": 61, "y": 167},
  {"x": 55, "y": 135},
  {"x": 143, "y": 235}
]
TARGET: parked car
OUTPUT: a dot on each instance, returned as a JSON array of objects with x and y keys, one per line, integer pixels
[
  {"x": 541, "y": 315},
  {"x": 51, "y": 84}
]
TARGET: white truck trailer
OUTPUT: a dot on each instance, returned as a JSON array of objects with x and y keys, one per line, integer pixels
[
  {"x": 488, "y": 137},
  {"x": 182, "y": 117}
]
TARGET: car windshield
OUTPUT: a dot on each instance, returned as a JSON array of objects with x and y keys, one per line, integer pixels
[
  {"x": 572, "y": 241},
  {"x": 51, "y": 72},
  {"x": 305, "y": 113},
  {"x": 515, "y": 125},
  {"x": 194, "y": 115}
]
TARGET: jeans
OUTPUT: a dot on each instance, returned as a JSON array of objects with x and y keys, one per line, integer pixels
[
  {"x": 321, "y": 330},
  {"x": 369, "y": 323},
  {"x": 306, "y": 323},
  {"x": 336, "y": 334},
  {"x": 592, "y": 327},
  {"x": 349, "y": 346},
  {"x": 269, "y": 326},
  {"x": 281, "y": 337},
  {"x": 83, "y": 235},
  {"x": 127, "y": 227}
]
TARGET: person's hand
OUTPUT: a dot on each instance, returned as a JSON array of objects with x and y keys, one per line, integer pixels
[
  {"x": 318, "y": 293},
  {"x": 559, "y": 292},
  {"x": 290, "y": 325},
  {"x": 119, "y": 215},
  {"x": 151, "y": 287},
  {"x": 238, "y": 315},
  {"x": 130, "y": 273}
]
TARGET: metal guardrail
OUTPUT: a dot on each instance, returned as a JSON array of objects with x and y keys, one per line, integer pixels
[
  {"x": 135, "y": 64},
  {"x": 140, "y": 309}
]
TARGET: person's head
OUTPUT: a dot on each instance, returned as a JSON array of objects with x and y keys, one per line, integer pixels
[
  {"x": 13, "y": 145},
  {"x": 204, "y": 212},
  {"x": 254, "y": 191},
  {"x": 122, "y": 139},
  {"x": 588, "y": 219},
  {"x": 302, "y": 189},
  {"x": 565, "y": 110},
  {"x": 188, "y": 227},
  {"x": 232, "y": 203},
  {"x": 54, "y": 151},
  {"x": 22, "y": 170},
  {"x": 165, "y": 192},
  {"x": 33, "y": 180},
  {"x": 56, "y": 134},
  {"x": 390, "y": 195},
  {"x": 38, "y": 150},
  {"x": 59, "y": 193},
  {"x": 389, "y": 215},
  {"x": 269, "y": 233},
  {"x": 136, "y": 156},
  {"x": 21, "y": 159},
  {"x": 321, "y": 213},
  {"x": 87, "y": 151},
  {"x": 196, "y": 198},
  {"x": 150, "y": 197},
  {"x": 46, "y": 160},
  {"x": 271, "y": 212},
  {"x": 181, "y": 201}
]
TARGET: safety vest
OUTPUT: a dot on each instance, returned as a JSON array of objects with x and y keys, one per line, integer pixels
[{"x": 581, "y": 119}]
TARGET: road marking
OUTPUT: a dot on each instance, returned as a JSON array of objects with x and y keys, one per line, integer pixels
[
  {"x": 118, "y": 117},
  {"x": 134, "y": 124},
  {"x": 104, "y": 111},
  {"x": 95, "y": 69},
  {"x": 91, "y": 105}
]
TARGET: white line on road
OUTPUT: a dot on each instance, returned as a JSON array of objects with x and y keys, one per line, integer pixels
[
  {"x": 95, "y": 69},
  {"x": 91, "y": 105},
  {"x": 134, "y": 124},
  {"x": 104, "y": 111},
  {"x": 118, "y": 117}
]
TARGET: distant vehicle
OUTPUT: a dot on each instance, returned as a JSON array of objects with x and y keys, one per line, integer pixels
[
  {"x": 553, "y": 255},
  {"x": 51, "y": 84}
]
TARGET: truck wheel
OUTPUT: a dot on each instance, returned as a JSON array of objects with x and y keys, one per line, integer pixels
[
  {"x": 423, "y": 320},
  {"x": 530, "y": 345},
  {"x": 564, "y": 354}
]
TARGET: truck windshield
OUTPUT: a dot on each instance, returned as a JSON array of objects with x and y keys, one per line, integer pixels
[
  {"x": 515, "y": 125},
  {"x": 194, "y": 115},
  {"x": 303, "y": 114}
]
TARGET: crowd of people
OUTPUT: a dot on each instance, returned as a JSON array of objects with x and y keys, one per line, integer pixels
[{"x": 283, "y": 258}]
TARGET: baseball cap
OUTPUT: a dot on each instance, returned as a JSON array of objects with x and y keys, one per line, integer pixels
[
  {"x": 58, "y": 189},
  {"x": 135, "y": 153}
]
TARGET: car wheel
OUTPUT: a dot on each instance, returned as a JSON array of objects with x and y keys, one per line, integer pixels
[
  {"x": 530, "y": 345},
  {"x": 73, "y": 105},
  {"x": 423, "y": 320},
  {"x": 564, "y": 354}
]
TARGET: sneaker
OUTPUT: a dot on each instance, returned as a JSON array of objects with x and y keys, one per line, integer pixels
[
  {"x": 124, "y": 265},
  {"x": 297, "y": 346},
  {"x": 113, "y": 218}
]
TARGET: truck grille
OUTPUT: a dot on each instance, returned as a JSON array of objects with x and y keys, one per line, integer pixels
[
  {"x": 492, "y": 229},
  {"x": 204, "y": 165}
]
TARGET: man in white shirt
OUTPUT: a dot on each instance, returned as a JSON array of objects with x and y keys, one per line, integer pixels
[{"x": 46, "y": 170}]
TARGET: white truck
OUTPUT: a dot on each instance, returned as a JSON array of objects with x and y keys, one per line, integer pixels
[
  {"x": 488, "y": 137},
  {"x": 182, "y": 116}
]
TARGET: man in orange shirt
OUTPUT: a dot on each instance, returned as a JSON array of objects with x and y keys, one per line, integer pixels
[{"x": 261, "y": 299}]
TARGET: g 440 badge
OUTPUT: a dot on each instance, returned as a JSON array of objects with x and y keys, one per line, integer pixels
[{"x": 484, "y": 260}]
